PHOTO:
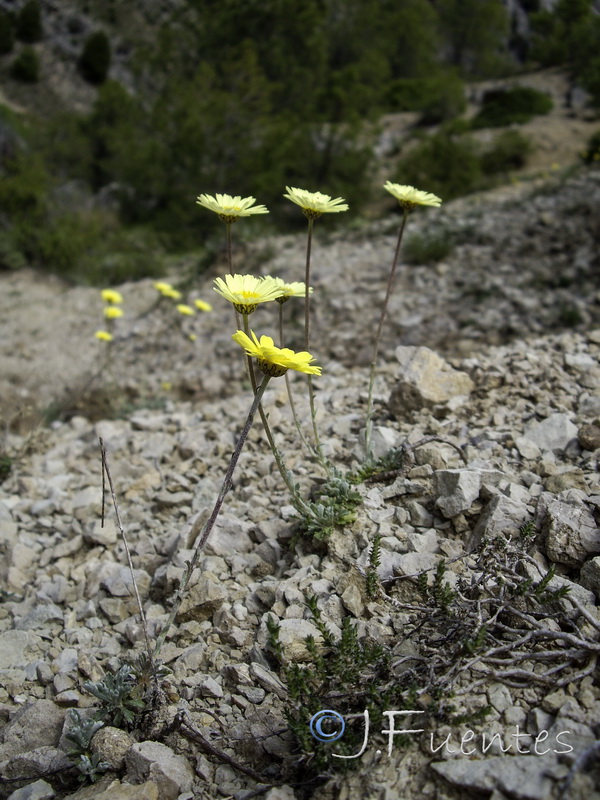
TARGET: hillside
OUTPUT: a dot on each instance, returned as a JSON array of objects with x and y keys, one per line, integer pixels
[{"x": 515, "y": 309}]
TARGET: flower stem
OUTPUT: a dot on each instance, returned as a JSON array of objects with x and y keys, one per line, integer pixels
[
  {"x": 369, "y": 426},
  {"x": 311, "y": 394},
  {"x": 288, "y": 386},
  {"x": 229, "y": 253},
  {"x": 285, "y": 473},
  {"x": 209, "y": 524}
]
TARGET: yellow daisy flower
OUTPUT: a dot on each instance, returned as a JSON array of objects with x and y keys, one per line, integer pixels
[
  {"x": 229, "y": 208},
  {"x": 202, "y": 305},
  {"x": 409, "y": 197},
  {"x": 192, "y": 337},
  {"x": 246, "y": 291},
  {"x": 294, "y": 289},
  {"x": 112, "y": 312},
  {"x": 187, "y": 311},
  {"x": 313, "y": 204},
  {"x": 167, "y": 290},
  {"x": 111, "y": 296},
  {"x": 103, "y": 336},
  {"x": 272, "y": 360}
]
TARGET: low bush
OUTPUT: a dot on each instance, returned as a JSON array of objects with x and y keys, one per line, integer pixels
[
  {"x": 29, "y": 23},
  {"x": 591, "y": 154},
  {"x": 94, "y": 62},
  {"x": 26, "y": 66},
  {"x": 448, "y": 166},
  {"x": 7, "y": 33},
  {"x": 509, "y": 151},
  {"x": 421, "y": 248},
  {"x": 439, "y": 98},
  {"x": 506, "y": 106}
]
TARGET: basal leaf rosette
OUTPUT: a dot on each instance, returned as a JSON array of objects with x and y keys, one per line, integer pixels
[
  {"x": 246, "y": 291},
  {"x": 229, "y": 208},
  {"x": 275, "y": 361},
  {"x": 409, "y": 197},
  {"x": 313, "y": 204}
]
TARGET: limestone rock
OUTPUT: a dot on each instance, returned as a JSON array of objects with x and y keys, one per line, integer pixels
[
  {"x": 570, "y": 531},
  {"x": 590, "y": 575},
  {"x": 108, "y": 789},
  {"x": 457, "y": 490},
  {"x": 170, "y": 772},
  {"x": 40, "y": 790},
  {"x": 501, "y": 516},
  {"x": 35, "y": 725},
  {"x": 553, "y": 433},
  {"x": 425, "y": 380}
]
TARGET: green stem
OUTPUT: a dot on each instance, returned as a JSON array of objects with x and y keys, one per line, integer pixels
[
  {"x": 209, "y": 524},
  {"x": 288, "y": 386},
  {"x": 229, "y": 252},
  {"x": 307, "y": 286},
  {"x": 369, "y": 426},
  {"x": 285, "y": 474},
  {"x": 311, "y": 394}
]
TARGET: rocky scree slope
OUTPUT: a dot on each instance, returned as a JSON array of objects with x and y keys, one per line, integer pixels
[{"x": 474, "y": 356}]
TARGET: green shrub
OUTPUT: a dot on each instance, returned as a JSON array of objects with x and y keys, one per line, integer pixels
[
  {"x": 447, "y": 166},
  {"x": 421, "y": 248},
  {"x": 94, "y": 62},
  {"x": 509, "y": 151},
  {"x": 505, "y": 106},
  {"x": 591, "y": 154},
  {"x": 29, "y": 23},
  {"x": 439, "y": 98},
  {"x": 26, "y": 66},
  {"x": 7, "y": 33}
]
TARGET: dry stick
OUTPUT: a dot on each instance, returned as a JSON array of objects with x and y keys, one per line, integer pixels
[
  {"x": 209, "y": 524},
  {"x": 106, "y": 471},
  {"x": 388, "y": 292}
]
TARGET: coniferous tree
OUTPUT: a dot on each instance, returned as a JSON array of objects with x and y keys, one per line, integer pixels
[{"x": 29, "y": 23}]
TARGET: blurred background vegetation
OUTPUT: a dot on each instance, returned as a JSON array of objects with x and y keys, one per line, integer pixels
[{"x": 171, "y": 99}]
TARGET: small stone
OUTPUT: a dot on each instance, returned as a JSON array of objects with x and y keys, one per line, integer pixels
[
  {"x": 589, "y": 436},
  {"x": 425, "y": 380},
  {"x": 457, "y": 490},
  {"x": 97, "y": 533},
  {"x": 553, "y": 433},
  {"x": 112, "y": 745},
  {"x": 40, "y": 790},
  {"x": 590, "y": 575},
  {"x": 172, "y": 773}
]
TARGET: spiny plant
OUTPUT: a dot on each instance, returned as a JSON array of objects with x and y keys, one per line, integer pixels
[{"x": 346, "y": 672}]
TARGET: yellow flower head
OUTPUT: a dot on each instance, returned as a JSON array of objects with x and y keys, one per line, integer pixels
[
  {"x": 246, "y": 291},
  {"x": 192, "y": 337},
  {"x": 409, "y": 197},
  {"x": 111, "y": 296},
  {"x": 272, "y": 360},
  {"x": 187, "y": 311},
  {"x": 112, "y": 312},
  {"x": 202, "y": 305},
  {"x": 103, "y": 336},
  {"x": 287, "y": 290},
  {"x": 313, "y": 204},
  {"x": 167, "y": 290},
  {"x": 229, "y": 208}
]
